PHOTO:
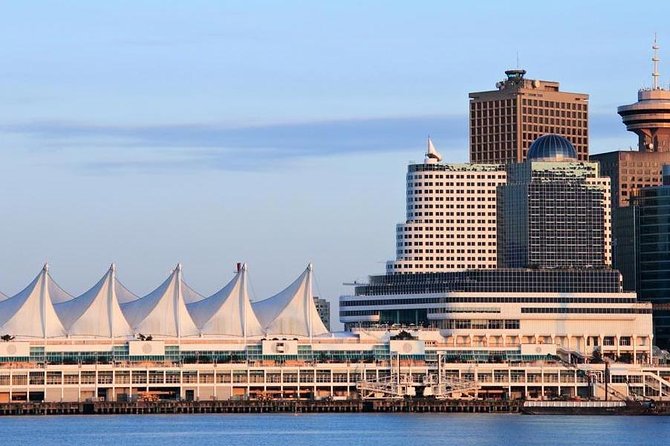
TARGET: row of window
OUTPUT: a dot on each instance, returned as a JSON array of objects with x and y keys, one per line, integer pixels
[
  {"x": 480, "y": 324},
  {"x": 562, "y": 310},
  {"x": 487, "y": 299},
  {"x": 555, "y": 104},
  {"x": 500, "y": 174}
]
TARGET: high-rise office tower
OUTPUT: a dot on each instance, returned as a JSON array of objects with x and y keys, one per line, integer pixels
[
  {"x": 651, "y": 209},
  {"x": 504, "y": 122},
  {"x": 451, "y": 217},
  {"x": 554, "y": 211},
  {"x": 631, "y": 170}
]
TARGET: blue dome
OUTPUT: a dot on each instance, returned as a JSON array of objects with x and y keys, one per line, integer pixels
[{"x": 551, "y": 148}]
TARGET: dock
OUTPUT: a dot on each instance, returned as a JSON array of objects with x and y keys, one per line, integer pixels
[{"x": 258, "y": 406}]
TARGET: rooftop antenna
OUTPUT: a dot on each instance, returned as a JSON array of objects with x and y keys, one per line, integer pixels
[
  {"x": 655, "y": 60},
  {"x": 517, "y": 59}
]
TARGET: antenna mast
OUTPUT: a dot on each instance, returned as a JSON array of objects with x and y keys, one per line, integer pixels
[{"x": 655, "y": 60}]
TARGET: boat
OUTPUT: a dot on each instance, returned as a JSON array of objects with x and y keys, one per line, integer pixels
[{"x": 579, "y": 407}]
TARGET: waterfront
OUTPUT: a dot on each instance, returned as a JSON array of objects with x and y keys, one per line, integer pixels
[{"x": 335, "y": 429}]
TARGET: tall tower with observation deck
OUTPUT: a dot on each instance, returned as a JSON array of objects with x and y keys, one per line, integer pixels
[
  {"x": 632, "y": 170},
  {"x": 649, "y": 117}
]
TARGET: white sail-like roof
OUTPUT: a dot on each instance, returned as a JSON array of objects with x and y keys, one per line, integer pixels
[
  {"x": 162, "y": 312},
  {"x": 96, "y": 312},
  {"x": 190, "y": 295},
  {"x": 31, "y": 313},
  {"x": 228, "y": 312},
  {"x": 292, "y": 311},
  {"x": 123, "y": 294},
  {"x": 56, "y": 293}
]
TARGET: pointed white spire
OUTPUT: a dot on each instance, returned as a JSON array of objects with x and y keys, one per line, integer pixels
[
  {"x": 227, "y": 312},
  {"x": 30, "y": 313},
  {"x": 292, "y": 311},
  {"x": 432, "y": 155},
  {"x": 96, "y": 312},
  {"x": 162, "y": 312}
]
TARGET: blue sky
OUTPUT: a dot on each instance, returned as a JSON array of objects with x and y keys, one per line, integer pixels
[{"x": 207, "y": 132}]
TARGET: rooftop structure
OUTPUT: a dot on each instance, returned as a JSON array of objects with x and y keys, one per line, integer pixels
[
  {"x": 504, "y": 122},
  {"x": 43, "y": 310}
]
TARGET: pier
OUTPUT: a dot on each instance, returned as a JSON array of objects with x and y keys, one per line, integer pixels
[{"x": 258, "y": 406}]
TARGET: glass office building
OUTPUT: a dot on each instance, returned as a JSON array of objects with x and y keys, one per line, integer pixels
[
  {"x": 652, "y": 221},
  {"x": 554, "y": 211}
]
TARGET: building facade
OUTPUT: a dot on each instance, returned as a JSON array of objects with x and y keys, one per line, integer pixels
[
  {"x": 629, "y": 172},
  {"x": 323, "y": 308},
  {"x": 554, "y": 211},
  {"x": 504, "y": 122},
  {"x": 451, "y": 217},
  {"x": 651, "y": 207},
  {"x": 576, "y": 311}
]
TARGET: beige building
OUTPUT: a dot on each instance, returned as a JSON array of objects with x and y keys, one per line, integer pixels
[
  {"x": 451, "y": 217},
  {"x": 504, "y": 122}
]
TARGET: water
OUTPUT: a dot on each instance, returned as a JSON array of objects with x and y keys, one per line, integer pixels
[{"x": 335, "y": 430}]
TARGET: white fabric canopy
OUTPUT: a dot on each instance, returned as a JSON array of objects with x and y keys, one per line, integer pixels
[
  {"x": 96, "y": 312},
  {"x": 162, "y": 312},
  {"x": 31, "y": 313},
  {"x": 227, "y": 312},
  {"x": 57, "y": 293},
  {"x": 292, "y": 311},
  {"x": 190, "y": 295},
  {"x": 123, "y": 294}
]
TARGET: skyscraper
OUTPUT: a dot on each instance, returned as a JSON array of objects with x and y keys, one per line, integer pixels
[
  {"x": 554, "y": 211},
  {"x": 651, "y": 209},
  {"x": 504, "y": 122}
]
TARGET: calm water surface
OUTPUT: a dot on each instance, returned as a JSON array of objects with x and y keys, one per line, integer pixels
[{"x": 335, "y": 430}]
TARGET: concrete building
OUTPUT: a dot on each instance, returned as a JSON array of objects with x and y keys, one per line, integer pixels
[
  {"x": 554, "y": 211},
  {"x": 451, "y": 217},
  {"x": 577, "y": 311},
  {"x": 504, "y": 122},
  {"x": 323, "y": 308},
  {"x": 630, "y": 170},
  {"x": 651, "y": 208}
]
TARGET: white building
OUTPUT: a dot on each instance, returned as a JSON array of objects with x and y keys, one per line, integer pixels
[{"x": 451, "y": 217}]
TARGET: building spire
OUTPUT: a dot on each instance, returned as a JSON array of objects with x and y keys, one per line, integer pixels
[
  {"x": 655, "y": 59},
  {"x": 432, "y": 155}
]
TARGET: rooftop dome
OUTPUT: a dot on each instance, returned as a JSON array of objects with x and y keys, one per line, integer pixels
[{"x": 551, "y": 148}]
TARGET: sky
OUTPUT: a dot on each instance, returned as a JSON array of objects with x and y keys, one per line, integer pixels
[{"x": 276, "y": 133}]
